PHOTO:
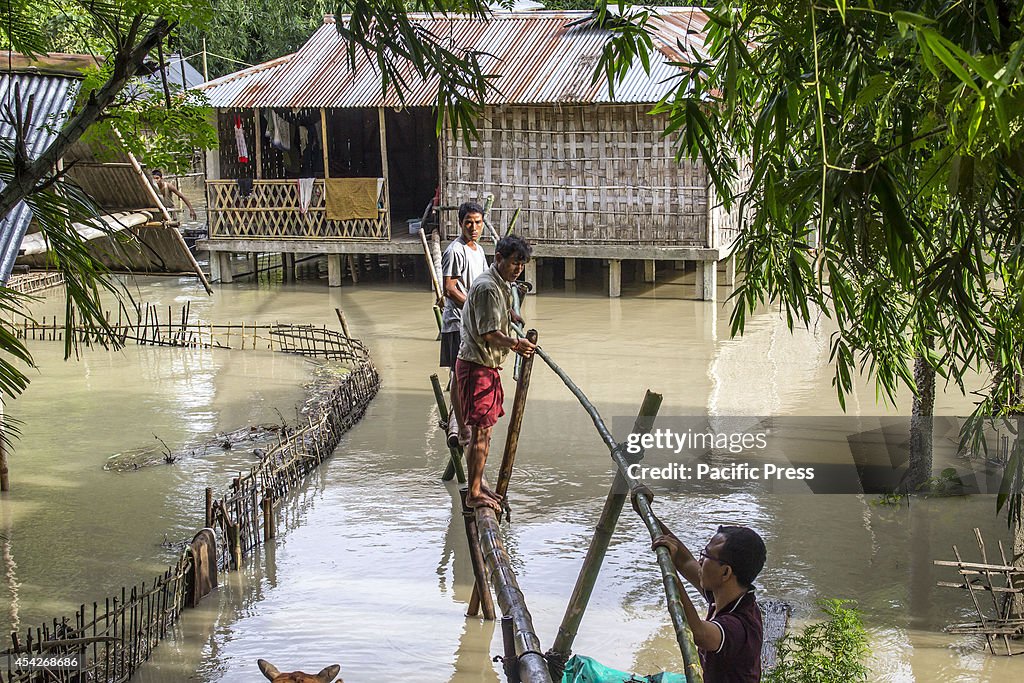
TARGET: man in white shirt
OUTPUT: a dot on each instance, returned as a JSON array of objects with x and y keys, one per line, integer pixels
[{"x": 462, "y": 262}]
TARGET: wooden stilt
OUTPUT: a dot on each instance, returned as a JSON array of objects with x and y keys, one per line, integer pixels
[
  {"x": 570, "y": 269},
  {"x": 649, "y": 269},
  {"x": 334, "y": 274},
  {"x": 614, "y": 278}
]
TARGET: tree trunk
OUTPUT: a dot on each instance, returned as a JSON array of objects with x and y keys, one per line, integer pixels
[
  {"x": 919, "y": 470},
  {"x": 126, "y": 62}
]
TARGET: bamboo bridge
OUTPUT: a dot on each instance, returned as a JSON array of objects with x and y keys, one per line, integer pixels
[{"x": 524, "y": 659}]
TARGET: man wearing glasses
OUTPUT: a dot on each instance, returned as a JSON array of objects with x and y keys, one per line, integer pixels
[{"x": 729, "y": 638}]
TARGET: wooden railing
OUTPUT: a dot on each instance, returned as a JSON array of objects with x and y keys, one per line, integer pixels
[{"x": 271, "y": 211}]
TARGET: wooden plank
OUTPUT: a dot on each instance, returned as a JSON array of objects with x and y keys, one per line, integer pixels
[{"x": 979, "y": 587}]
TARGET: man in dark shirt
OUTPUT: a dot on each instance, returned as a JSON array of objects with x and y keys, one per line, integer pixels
[{"x": 729, "y": 638}]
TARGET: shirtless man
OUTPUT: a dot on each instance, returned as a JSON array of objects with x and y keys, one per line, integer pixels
[
  {"x": 167, "y": 192},
  {"x": 487, "y": 338}
]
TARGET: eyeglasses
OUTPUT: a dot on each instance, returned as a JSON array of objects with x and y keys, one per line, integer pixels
[{"x": 705, "y": 555}]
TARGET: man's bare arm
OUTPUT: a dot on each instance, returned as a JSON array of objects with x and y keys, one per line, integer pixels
[
  {"x": 184, "y": 199},
  {"x": 498, "y": 338},
  {"x": 452, "y": 291},
  {"x": 706, "y": 635},
  {"x": 686, "y": 564}
]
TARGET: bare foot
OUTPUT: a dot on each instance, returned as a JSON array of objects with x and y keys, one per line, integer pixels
[
  {"x": 483, "y": 501},
  {"x": 488, "y": 491}
]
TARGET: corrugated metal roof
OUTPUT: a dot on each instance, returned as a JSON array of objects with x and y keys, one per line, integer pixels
[
  {"x": 536, "y": 58},
  {"x": 54, "y": 97}
]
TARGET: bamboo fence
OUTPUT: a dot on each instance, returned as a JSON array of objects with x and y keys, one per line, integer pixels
[
  {"x": 150, "y": 325},
  {"x": 1003, "y": 582},
  {"x": 32, "y": 283},
  {"x": 111, "y": 639}
]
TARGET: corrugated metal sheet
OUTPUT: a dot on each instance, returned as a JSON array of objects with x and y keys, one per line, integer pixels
[
  {"x": 53, "y": 99},
  {"x": 536, "y": 58}
]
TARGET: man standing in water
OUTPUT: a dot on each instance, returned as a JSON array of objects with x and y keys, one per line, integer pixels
[
  {"x": 167, "y": 192},
  {"x": 463, "y": 261},
  {"x": 729, "y": 639},
  {"x": 486, "y": 339}
]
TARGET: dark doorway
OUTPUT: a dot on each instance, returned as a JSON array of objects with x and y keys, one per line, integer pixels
[{"x": 412, "y": 160}]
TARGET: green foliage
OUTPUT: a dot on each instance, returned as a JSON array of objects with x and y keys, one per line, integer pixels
[
  {"x": 875, "y": 151},
  {"x": 831, "y": 651},
  {"x": 252, "y": 31},
  {"x": 160, "y": 137},
  {"x": 87, "y": 26}
]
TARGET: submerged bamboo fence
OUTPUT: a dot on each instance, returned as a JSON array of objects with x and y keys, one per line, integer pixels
[
  {"x": 150, "y": 325},
  {"x": 107, "y": 641}
]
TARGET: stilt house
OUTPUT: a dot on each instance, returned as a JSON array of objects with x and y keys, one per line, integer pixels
[{"x": 591, "y": 173}]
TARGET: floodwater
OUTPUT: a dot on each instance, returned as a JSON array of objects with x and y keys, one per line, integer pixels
[{"x": 371, "y": 570}]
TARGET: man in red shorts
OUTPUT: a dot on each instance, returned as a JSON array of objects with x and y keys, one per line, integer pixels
[{"x": 486, "y": 339}]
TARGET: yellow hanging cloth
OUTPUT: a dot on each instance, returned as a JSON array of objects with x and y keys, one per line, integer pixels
[{"x": 351, "y": 198}]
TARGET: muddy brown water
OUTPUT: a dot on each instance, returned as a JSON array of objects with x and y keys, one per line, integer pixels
[{"x": 371, "y": 570}]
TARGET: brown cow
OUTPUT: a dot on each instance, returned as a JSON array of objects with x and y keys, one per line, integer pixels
[{"x": 326, "y": 676}]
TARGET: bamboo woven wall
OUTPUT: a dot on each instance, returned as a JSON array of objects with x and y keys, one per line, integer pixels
[
  {"x": 580, "y": 174},
  {"x": 725, "y": 225}
]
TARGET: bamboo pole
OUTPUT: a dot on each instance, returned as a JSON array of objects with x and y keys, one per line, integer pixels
[
  {"x": 5, "y": 483},
  {"x": 385, "y": 171},
  {"x": 259, "y": 143},
  {"x": 481, "y": 597},
  {"x": 323, "y": 140},
  {"x": 438, "y": 318},
  {"x": 455, "y": 467},
  {"x": 533, "y": 667},
  {"x": 151, "y": 191},
  {"x": 684, "y": 637},
  {"x": 344, "y": 322},
  {"x": 515, "y": 421},
  {"x": 438, "y": 293},
  {"x": 584, "y": 587}
]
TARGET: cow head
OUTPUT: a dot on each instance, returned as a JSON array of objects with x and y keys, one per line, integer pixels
[{"x": 326, "y": 676}]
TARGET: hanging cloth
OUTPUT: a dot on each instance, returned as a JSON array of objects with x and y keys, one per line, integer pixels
[
  {"x": 243, "y": 149},
  {"x": 305, "y": 193},
  {"x": 244, "y": 187},
  {"x": 282, "y": 139}
]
